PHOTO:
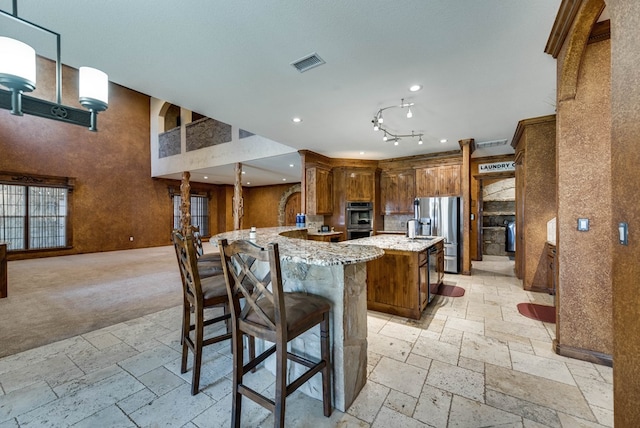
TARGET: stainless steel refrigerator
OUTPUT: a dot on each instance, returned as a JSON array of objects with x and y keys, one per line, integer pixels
[{"x": 442, "y": 216}]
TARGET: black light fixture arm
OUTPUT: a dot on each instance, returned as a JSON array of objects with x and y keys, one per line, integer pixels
[{"x": 18, "y": 103}]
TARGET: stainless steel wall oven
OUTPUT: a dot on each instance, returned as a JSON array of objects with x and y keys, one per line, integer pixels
[{"x": 359, "y": 219}]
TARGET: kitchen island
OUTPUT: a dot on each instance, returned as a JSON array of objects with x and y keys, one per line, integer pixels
[
  {"x": 405, "y": 279},
  {"x": 337, "y": 272}
]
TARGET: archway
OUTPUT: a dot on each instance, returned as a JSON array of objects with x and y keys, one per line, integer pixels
[{"x": 283, "y": 206}]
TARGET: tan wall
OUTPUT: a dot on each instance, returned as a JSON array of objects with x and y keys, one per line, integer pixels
[
  {"x": 114, "y": 197},
  {"x": 540, "y": 200},
  {"x": 625, "y": 158},
  {"x": 535, "y": 198},
  {"x": 584, "y": 188}
]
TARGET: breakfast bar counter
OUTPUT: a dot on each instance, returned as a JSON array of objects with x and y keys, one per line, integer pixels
[{"x": 338, "y": 272}]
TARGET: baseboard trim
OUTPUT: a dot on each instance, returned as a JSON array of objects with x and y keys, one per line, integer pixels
[{"x": 582, "y": 354}]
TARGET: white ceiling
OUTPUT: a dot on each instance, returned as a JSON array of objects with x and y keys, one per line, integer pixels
[{"x": 481, "y": 64}]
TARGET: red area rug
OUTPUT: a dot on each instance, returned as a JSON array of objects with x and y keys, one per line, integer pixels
[
  {"x": 450, "y": 290},
  {"x": 538, "y": 312}
]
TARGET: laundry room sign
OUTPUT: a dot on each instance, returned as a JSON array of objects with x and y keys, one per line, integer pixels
[{"x": 496, "y": 167}]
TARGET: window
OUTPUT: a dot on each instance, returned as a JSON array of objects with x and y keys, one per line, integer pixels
[
  {"x": 199, "y": 212},
  {"x": 34, "y": 212}
]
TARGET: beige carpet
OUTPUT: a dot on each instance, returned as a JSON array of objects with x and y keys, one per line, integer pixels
[{"x": 55, "y": 298}]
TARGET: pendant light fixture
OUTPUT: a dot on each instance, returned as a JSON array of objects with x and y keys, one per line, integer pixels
[{"x": 18, "y": 74}]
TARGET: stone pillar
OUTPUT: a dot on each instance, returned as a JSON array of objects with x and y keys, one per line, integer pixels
[{"x": 468, "y": 146}]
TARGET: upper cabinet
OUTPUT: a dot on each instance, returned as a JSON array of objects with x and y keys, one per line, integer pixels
[
  {"x": 441, "y": 180},
  {"x": 319, "y": 186},
  {"x": 360, "y": 184},
  {"x": 398, "y": 190}
]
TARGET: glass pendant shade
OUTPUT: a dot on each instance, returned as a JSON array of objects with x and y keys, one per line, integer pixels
[
  {"x": 94, "y": 89},
  {"x": 17, "y": 65}
]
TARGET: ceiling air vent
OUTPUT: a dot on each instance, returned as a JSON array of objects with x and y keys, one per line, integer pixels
[
  {"x": 493, "y": 143},
  {"x": 308, "y": 62}
]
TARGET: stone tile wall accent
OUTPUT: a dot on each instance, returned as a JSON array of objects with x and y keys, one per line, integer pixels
[
  {"x": 169, "y": 143},
  {"x": 207, "y": 132}
]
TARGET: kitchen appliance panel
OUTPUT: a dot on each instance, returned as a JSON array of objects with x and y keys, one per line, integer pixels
[
  {"x": 359, "y": 219},
  {"x": 441, "y": 216}
]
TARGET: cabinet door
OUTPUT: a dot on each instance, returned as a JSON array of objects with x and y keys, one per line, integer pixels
[
  {"x": 319, "y": 186},
  {"x": 359, "y": 186},
  {"x": 389, "y": 193},
  {"x": 427, "y": 182},
  {"x": 449, "y": 180},
  {"x": 324, "y": 192},
  {"x": 406, "y": 192}
]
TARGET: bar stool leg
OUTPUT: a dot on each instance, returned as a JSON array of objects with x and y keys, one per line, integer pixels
[
  {"x": 281, "y": 384},
  {"x": 186, "y": 323},
  {"x": 238, "y": 373},
  {"x": 325, "y": 344},
  {"x": 197, "y": 357}
]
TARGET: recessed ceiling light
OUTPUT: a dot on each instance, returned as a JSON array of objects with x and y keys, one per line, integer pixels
[
  {"x": 205, "y": 177},
  {"x": 296, "y": 120},
  {"x": 415, "y": 88},
  {"x": 444, "y": 140},
  {"x": 361, "y": 153},
  {"x": 248, "y": 182},
  {"x": 284, "y": 179},
  {"x": 244, "y": 172},
  {"x": 290, "y": 165}
]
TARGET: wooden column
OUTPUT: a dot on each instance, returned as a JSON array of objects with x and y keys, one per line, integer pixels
[
  {"x": 468, "y": 146},
  {"x": 185, "y": 205},
  {"x": 238, "y": 203}
]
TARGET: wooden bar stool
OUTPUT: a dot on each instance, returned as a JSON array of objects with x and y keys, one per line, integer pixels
[
  {"x": 198, "y": 294},
  {"x": 275, "y": 316},
  {"x": 208, "y": 264}
]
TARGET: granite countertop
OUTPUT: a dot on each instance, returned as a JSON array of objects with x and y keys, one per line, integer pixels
[
  {"x": 397, "y": 243},
  {"x": 306, "y": 251},
  {"x": 311, "y": 232},
  {"x": 391, "y": 232}
]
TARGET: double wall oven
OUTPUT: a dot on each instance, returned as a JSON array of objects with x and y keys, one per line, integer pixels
[{"x": 359, "y": 219}]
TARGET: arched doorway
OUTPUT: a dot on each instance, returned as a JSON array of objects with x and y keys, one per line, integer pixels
[
  {"x": 290, "y": 205},
  {"x": 291, "y": 208}
]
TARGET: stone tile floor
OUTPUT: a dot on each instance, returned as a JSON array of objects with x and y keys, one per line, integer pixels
[{"x": 472, "y": 361}]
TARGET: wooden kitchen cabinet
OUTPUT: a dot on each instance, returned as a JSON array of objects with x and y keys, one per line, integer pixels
[
  {"x": 438, "y": 181},
  {"x": 319, "y": 194},
  {"x": 359, "y": 184},
  {"x": 398, "y": 190},
  {"x": 398, "y": 283}
]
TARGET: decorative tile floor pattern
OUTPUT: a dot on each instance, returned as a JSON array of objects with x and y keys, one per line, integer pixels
[{"x": 471, "y": 361}]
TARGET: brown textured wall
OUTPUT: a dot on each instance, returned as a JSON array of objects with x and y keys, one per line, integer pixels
[
  {"x": 584, "y": 188},
  {"x": 261, "y": 205},
  {"x": 540, "y": 199},
  {"x": 625, "y": 158},
  {"x": 114, "y": 197}
]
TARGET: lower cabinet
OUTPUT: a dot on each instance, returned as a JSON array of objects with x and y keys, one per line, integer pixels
[{"x": 401, "y": 282}]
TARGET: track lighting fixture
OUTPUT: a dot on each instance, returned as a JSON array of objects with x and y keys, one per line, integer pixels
[{"x": 389, "y": 136}]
